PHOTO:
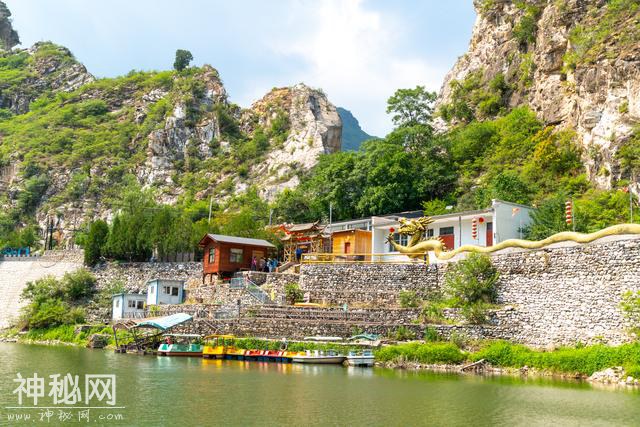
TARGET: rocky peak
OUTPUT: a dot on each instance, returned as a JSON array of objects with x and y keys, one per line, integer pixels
[
  {"x": 315, "y": 128},
  {"x": 576, "y": 63},
  {"x": 8, "y": 36},
  {"x": 45, "y": 67}
]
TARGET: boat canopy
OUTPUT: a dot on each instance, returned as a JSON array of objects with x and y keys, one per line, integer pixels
[
  {"x": 166, "y": 322},
  {"x": 365, "y": 336}
]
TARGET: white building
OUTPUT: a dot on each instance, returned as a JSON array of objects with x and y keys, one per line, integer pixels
[
  {"x": 501, "y": 221},
  {"x": 126, "y": 306},
  {"x": 165, "y": 291}
]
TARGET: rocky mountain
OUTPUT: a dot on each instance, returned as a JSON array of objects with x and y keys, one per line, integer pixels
[
  {"x": 576, "y": 63},
  {"x": 352, "y": 133},
  {"x": 70, "y": 144}
]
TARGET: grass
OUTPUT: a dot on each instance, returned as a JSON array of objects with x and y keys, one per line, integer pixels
[
  {"x": 66, "y": 334},
  {"x": 565, "y": 360}
]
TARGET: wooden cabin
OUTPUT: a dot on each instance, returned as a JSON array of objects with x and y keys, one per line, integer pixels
[
  {"x": 225, "y": 255},
  {"x": 347, "y": 242}
]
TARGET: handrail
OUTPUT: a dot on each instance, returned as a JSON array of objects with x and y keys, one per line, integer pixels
[{"x": 364, "y": 258}]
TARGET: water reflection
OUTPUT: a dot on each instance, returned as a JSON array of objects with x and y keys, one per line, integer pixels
[{"x": 196, "y": 391}]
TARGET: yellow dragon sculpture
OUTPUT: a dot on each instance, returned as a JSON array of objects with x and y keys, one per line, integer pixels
[{"x": 418, "y": 248}]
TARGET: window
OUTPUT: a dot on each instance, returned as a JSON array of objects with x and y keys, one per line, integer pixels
[
  {"x": 152, "y": 290},
  {"x": 131, "y": 304},
  {"x": 446, "y": 231},
  {"x": 166, "y": 290},
  {"x": 430, "y": 233},
  {"x": 212, "y": 255},
  {"x": 401, "y": 239},
  {"x": 235, "y": 255},
  {"x": 140, "y": 305},
  {"x": 118, "y": 303},
  {"x": 174, "y": 291}
]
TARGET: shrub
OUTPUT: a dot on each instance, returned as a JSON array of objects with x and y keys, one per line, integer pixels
[
  {"x": 408, "y": 299},
  {"x": 432, "y": 312},
  {"x": 293, "y": 293},
  {"x": 431, "y": 334},
  {"x": 402, "y": 333},
  {"x": 422, "y": 353},
  {"x": 630, "y": 306},
  {"x": 78, "y": 284},
  {"x": 96, "y": 242},
  {"x": 471, "y": 280}
]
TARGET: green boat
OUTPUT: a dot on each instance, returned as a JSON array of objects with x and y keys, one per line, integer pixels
[{"x": 181, "y": 345}]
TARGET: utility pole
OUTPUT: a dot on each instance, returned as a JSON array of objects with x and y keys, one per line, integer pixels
[
  {"x": 330, "y": 229},
  {"x": 210, "y": 206}
]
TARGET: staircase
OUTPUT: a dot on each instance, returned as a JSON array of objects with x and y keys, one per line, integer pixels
[{"x": 243, "y": 282}]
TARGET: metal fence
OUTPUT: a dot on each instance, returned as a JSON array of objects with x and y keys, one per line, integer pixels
[{"x": 365, "y": 258}]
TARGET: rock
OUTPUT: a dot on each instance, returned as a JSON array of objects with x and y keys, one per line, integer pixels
[
  {"x": 600, "y": 98},
  {"x": 98, "y": 341}
]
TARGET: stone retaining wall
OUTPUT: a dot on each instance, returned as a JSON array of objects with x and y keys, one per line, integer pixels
[
  {"x": 135, "y": 275},
  {"x": 552, "y": 296}
]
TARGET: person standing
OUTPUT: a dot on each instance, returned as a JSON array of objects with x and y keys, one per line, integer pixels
[
  {"x": 298, "y": 254},
  {"x": 254, "y": 263}
]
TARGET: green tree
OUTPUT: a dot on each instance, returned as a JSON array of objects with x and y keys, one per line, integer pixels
[
  {"x": 183, "y": 58},
  {"x": 410, "y": 107},
  {"x": 96, "y": 241}
]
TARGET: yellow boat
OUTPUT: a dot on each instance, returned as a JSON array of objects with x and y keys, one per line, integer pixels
[{"x": 218, "y": 346}]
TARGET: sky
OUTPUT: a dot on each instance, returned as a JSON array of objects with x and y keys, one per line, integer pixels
[{"x": 358, "y": 51}]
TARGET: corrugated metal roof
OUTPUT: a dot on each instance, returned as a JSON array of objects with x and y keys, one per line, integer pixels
[
  {"x": 164, "y": 323},
  {"x": 240, "y": 240}
]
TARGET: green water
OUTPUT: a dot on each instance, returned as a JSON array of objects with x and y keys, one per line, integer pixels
[{"x": 191, "y": 392}]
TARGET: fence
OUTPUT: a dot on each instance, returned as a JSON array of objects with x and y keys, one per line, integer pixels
[{"x": 364, "y": 258}]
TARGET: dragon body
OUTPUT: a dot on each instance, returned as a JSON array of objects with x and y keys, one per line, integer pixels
[{"x": 418, "y": 248}]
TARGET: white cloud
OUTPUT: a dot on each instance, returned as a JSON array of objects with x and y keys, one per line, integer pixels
[{"x": 354, "y": 54}]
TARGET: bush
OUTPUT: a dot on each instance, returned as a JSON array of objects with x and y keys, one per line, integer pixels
[
  {"x": 630, "y": 306},
  {"x": 293, "y": 293},
  {"x": 408, "y": 299},
  {"x": 431, "y": 334},
  {"x": 96, "y": 242},
  {"x": 471, "y": 280},
  {"x": 402, "y": 333},
  {"x": 78, "y": 284},
  {"x": 421, "y": 353},
  {"x": 432, "y": 312}
]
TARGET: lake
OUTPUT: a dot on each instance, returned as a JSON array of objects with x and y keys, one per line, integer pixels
[{"x": 154, "y": 391}]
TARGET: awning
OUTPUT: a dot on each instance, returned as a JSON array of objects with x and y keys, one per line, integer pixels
[{"x": 166, "y": 322}]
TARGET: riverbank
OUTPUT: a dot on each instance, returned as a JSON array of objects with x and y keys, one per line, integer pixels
[{"x": 598, "y": 363}]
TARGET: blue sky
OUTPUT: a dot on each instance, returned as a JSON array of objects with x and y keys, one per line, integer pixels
[{"x": 358, "y": 51}]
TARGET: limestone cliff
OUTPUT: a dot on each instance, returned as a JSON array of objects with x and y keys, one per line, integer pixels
[
  {"x": 576, "y": 63},
  {"x": 311, "y": 127},
  {"x": 8, "y": 36}
]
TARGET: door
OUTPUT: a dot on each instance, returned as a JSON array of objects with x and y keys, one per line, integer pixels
[
  {"x": 347, "y": 247},
  {"x": 489, "y": 234},
  {"x": 447, "y": 237}
]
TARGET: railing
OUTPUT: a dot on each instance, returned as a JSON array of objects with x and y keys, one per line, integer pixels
[
  {"x": 252, "y": 289},
  {"x": 364, "y": 258}
]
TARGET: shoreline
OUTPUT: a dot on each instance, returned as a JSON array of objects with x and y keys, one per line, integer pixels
[{"x": 605, "y": 378}]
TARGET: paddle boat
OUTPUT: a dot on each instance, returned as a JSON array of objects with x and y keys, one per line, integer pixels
[
  {"x": 316, "y": 356},
  {"x": 360, "y": 358},
  {"x": 181, "y": 345},
  {"x": 218, "y": 346}
]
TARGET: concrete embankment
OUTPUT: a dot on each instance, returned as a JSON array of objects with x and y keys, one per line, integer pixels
[{"x": 16, "y": 273}]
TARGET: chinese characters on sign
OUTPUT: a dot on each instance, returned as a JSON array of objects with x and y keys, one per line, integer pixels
[{"x": 67, "y": 389}]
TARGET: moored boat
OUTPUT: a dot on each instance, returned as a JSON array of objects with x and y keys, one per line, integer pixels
[
  {"x": 218, "y": 346},
  {"x": 360, "y": 358},
  {"x": 181, "y": 345},
  {"x": 315, "y": 356}
]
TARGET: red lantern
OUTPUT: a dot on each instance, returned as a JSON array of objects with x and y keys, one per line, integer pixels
[
  {"x": 481, "y": 220},
  {"x": 474, "y": 229},
  {"x": 392, "y": 230},
  {"x": 568, "y": 212}
]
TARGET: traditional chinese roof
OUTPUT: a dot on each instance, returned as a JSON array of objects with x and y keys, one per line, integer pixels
[{"x": 233, "y": 239}]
